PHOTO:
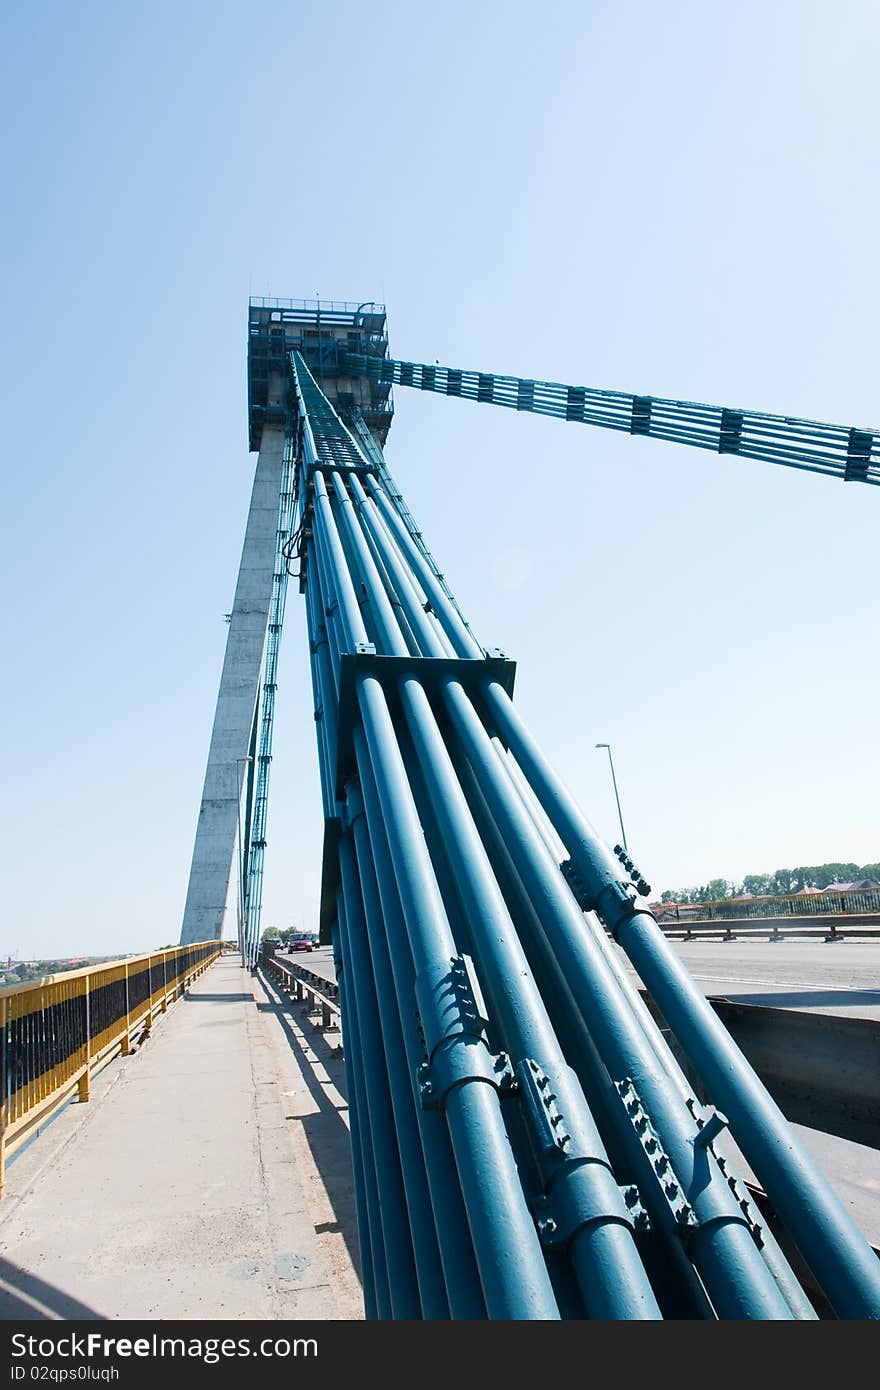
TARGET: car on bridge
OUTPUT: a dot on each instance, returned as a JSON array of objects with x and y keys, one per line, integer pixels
[{"x": 300, "y": 943}]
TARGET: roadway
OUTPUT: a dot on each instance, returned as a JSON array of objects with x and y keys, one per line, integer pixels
[
  {"x": 835, "y": 977},
  {"x": 234, "y": 1111}
]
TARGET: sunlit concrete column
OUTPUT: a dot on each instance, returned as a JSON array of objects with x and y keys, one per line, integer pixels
[{"x": 217, "y": 829}]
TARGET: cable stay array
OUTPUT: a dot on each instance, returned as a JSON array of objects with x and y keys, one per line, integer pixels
[
  {"x": 839, "y": 451},
  {"x": 532, "y": 1136},
  {"x": 526, "y": 1143}
]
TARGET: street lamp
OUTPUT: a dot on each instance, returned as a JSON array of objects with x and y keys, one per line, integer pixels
[{"x": 616, "y": 797}]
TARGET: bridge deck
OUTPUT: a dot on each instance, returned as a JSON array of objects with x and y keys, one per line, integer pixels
[
  {"x": 210, "y": 1175},
  {"x": 188, "y": 1187}
]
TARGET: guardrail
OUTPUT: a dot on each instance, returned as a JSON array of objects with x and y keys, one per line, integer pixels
[
  {"x": 319, "y": 995},
  {"x": 837, "y": 928},
  {"x": 820, "y": 1068},
  {"x": 857, "y": 901},
  {"x": 57, "y": 1032}
]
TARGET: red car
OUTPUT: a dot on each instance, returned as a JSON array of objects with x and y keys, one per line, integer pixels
[{"x": 300, "y": 943}]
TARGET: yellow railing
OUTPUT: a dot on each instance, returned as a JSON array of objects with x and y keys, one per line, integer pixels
[{"x": 56, "y": 1032}]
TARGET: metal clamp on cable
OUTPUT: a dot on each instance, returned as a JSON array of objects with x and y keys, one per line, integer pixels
[
  {"x": 462, "y": 1052},
  {"x": 616, "y": 903},
  {"x": 667, "y": 1183},
  {"x": 464, "y": 1012},
  {"x": 461, "y": 1058},
  {"x": 711, "y": 1123},
  {"x": 635, "y": 874},
  {"x": 572, "y": 1205},
  {"x": 580, "y": 1186}
]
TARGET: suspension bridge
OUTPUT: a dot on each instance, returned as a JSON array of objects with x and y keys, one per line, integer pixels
[{"x": 528, "y": 1142}]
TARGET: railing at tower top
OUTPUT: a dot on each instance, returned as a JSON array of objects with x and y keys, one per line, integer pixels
[
  {"x": 525, "y": 1144},
  {"x": 318, "y": 308},
  {"x": 57, "y": 1032}
]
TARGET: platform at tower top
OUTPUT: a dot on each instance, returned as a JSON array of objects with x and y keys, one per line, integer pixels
[{"x": 318, "y": 329}]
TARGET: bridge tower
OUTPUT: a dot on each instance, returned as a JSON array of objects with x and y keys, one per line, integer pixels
[
  {"x": 232, "y": 813},
  {"x": 525, "y": 1143}
]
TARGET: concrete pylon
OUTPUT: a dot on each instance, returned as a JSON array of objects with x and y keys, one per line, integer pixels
[{"x": 219, "y": 813}]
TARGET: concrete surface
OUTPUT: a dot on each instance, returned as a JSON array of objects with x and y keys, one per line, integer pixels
[
  {"x": 188, "y": 1187},
  {"x": 841, "y": 977},
  {"x": 837, "y": 977},
  {"x": 217, "y": 826}
]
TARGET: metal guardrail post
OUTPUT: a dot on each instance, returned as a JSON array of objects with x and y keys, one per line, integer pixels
[
  {"x": 125, "y": 1047},
  {"x": 148, "y": 1021},
  {"x": 85, "y": 1081}
]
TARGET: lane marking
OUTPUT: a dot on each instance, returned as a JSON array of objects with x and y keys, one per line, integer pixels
[{"x": 787, "y": 984}]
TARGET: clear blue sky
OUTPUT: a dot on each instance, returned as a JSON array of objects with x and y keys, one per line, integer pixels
[{"x": 679, "y": 200}]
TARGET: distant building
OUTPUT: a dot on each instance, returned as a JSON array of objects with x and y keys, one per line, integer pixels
[{"x": 851, "y": 887}]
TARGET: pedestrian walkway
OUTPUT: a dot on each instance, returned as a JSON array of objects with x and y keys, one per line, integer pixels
[{"x": 208, "y": 1177}]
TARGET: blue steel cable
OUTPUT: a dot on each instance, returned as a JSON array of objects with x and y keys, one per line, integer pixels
[
  {"x": 345, "y": 595},
  {"x": 413, "y": 612},
  {"x": 460, "y": 636},
  {"x": 479, "y": 855},
  {"x": 472, "y": 1118},
  {"x": 679, "y": 1290},
  {"x": 838, "y": 1254},
  {"x": 404, "y": 1282},
  {"x": 467, "y": 647},
  {"x": 456, "y": 1248},
  {"x": 502, "y": 1228},
  {"x": 372, "y": 967},
  {"x": 612, "y": 1281},
  {"x": 721, "y": 1244},
  {"x": 365, "y": 1250},
  {"x": 852, "y": 454},
  {"x": 612, "y": 1286},
  {"x": 401, "y": 510},
  {"x": 371, "y": 1231}
]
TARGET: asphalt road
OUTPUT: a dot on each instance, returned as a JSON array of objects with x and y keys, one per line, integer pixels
[{"x": 822, "y": 977}]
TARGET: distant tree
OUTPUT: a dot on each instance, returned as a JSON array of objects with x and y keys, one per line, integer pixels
[
  {"x": 782, "y": 882},
  {"x": 837, "y": 873},
  {"x": 271, "y": 934},
  {"x": 756, "y": 884}
]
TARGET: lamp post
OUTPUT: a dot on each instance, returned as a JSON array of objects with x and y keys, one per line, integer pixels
[{"x": 616, "y": 796}]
